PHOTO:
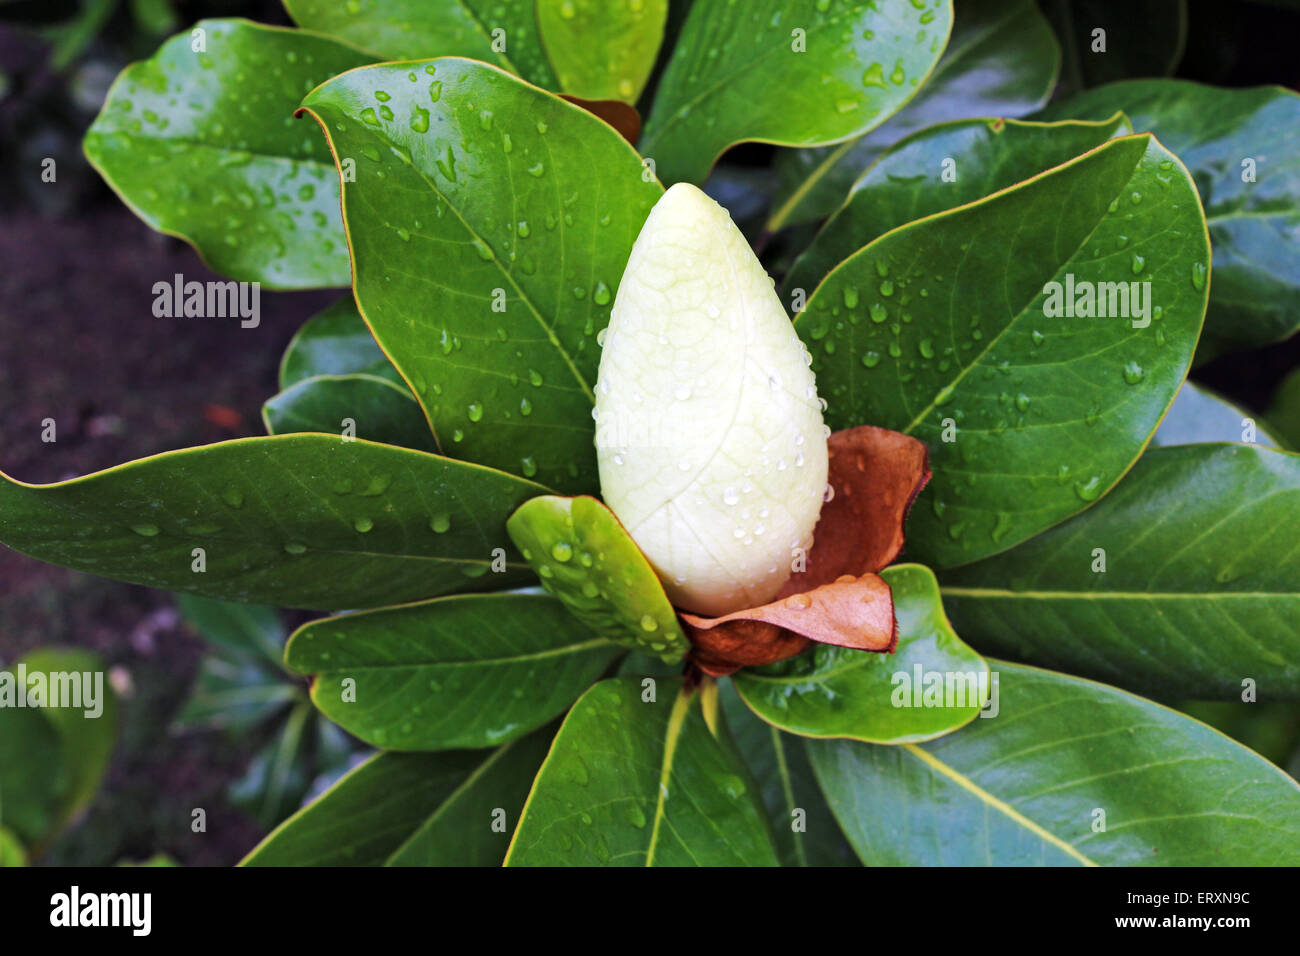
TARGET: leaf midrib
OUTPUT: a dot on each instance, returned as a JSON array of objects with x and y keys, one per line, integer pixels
[
  {"x": 552, "y": 336},
  {"x": 1053, "y": 595},
  {"x": 576, "y": 648},
  {"x": 936, "y": 765},
  {"x": 672, "y": 734}
]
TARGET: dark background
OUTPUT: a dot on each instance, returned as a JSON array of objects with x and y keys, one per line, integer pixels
[{"x": 79, "y": 344}]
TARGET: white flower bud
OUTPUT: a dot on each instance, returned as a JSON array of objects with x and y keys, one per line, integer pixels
[{"x": 709, "y": 430}]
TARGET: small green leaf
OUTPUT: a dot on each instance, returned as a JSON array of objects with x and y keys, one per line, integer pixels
[
  {"x": 304, "y": 521},
  {"x": 335, "y": 341},
  {"x": 792, "y": 72},
  {"x": 803, "y": 826},
  {"x": 33, "y": 778},
  {"x": 202, "y": 144},
  {"x": 455, "y": 808},
  {"x": 246, "y": 630},
  {"x": 12, "y": 852},
  {"x": 946, "y": 329},
  {"x": 490, "y": 223},
  {"x": 1001, "y": 60},
  {"x": 278, "y": 774},
  {"x": 940, "y": 168},
  {"x": 632, "y": 781},
  {"x": 87, "y": 727},
  {"x": 601, "y": 50},
  {"x": 1198, "y": 415},
  {"x": 471, "y": 671},
  {"x": 502, "y": 32},
  {"x": 1184, "y": 580},
  {"x": 586, "y": 558},
  {"x": 929, "y": 686},
  {"x": 1243, "y": 150},
  {"x": 1068, "y": 773},
  {"x": 374, "y": 408}
]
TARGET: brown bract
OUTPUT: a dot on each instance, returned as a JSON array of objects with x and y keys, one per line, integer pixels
[
  {"x": 615, "y": 113},
  {"x": 838, "y": 598}
]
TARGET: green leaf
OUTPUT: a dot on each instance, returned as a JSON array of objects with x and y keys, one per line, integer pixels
[
  {"x": 87, "y": 728},
  {"x": 841, "y": 692},
  {"x": 470, "y": 671},
  {"x": 278, "y": 775},
  {"x": 1201, "y": 586},
  {"x": 600, "y": 50},
  {"x": 377, "y": 409},
  {"x": 586, "y": 558},
  {"x": 1199, "y": 415},
  {"x": 1227, "y": 137},
  {"x": 502, "y": 32},
  {"x": 246, "y": 630},
  {"x": 493, "y": 196},
  {"x": 803, "y": 826},
  {"x": 1001, "y": 60},
  {"x": 940, "y": 327},
  {"x": 910, "y": 181},
  {"x": 440, "y": 809},
  {"x": 11, "y": 849},
  {"x": 335, "y": 341},
  {"x": 235, "y": 696},
  {"x": 630, "y": 782},
  {"x": 33, "y": 777},
  {"x": 1028, "y": 787},
  {"x": 737, "y": 74},
  {"x": 1141, "y": 38},
  {"x": 294, "y": 520},
  {"x": 203, "y": 145}
]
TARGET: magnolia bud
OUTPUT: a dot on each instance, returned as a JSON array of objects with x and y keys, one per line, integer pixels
[{"x": 709, "y": 431}]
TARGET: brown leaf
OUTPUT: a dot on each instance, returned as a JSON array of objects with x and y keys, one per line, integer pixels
[
  {"x": 875, "y": 475},
  {"x": 855, "y": 612},
  {"x": 622, "y": 116}
]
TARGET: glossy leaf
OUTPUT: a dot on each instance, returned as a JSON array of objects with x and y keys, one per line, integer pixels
[
  {"x": 1140, "y": 38},
  {"x": 1243, "y": 150},
  {"x": 482, "y": 193},
  {"x": 803, "y": 826},
  {"x": 940, "y": 328},
  {"x": 501, "y": 32},
  {"x": 335, "y": 341},
  {"x": 1029, "y": 786},
  {"x": 630, "y": 782},
  {"x": 203, "y": 145},
  {"x": 1001, "y": 60},
  {"x": 1201, "y": 587},
  {"x": 737, "y": 74},
  {"x": 374, "y": 408},
  {"x": 471, "y": 671},
  {"x": 295, "y": 520},
  {"x": 585, "y": 557},
  {"x": 886, "y": 698},
  {"x": 600, "y": 50},
  {"x": 412, "y": 809},
  {"x": 937, "y": 169},
  {"x": 1198, "y": 415}
]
